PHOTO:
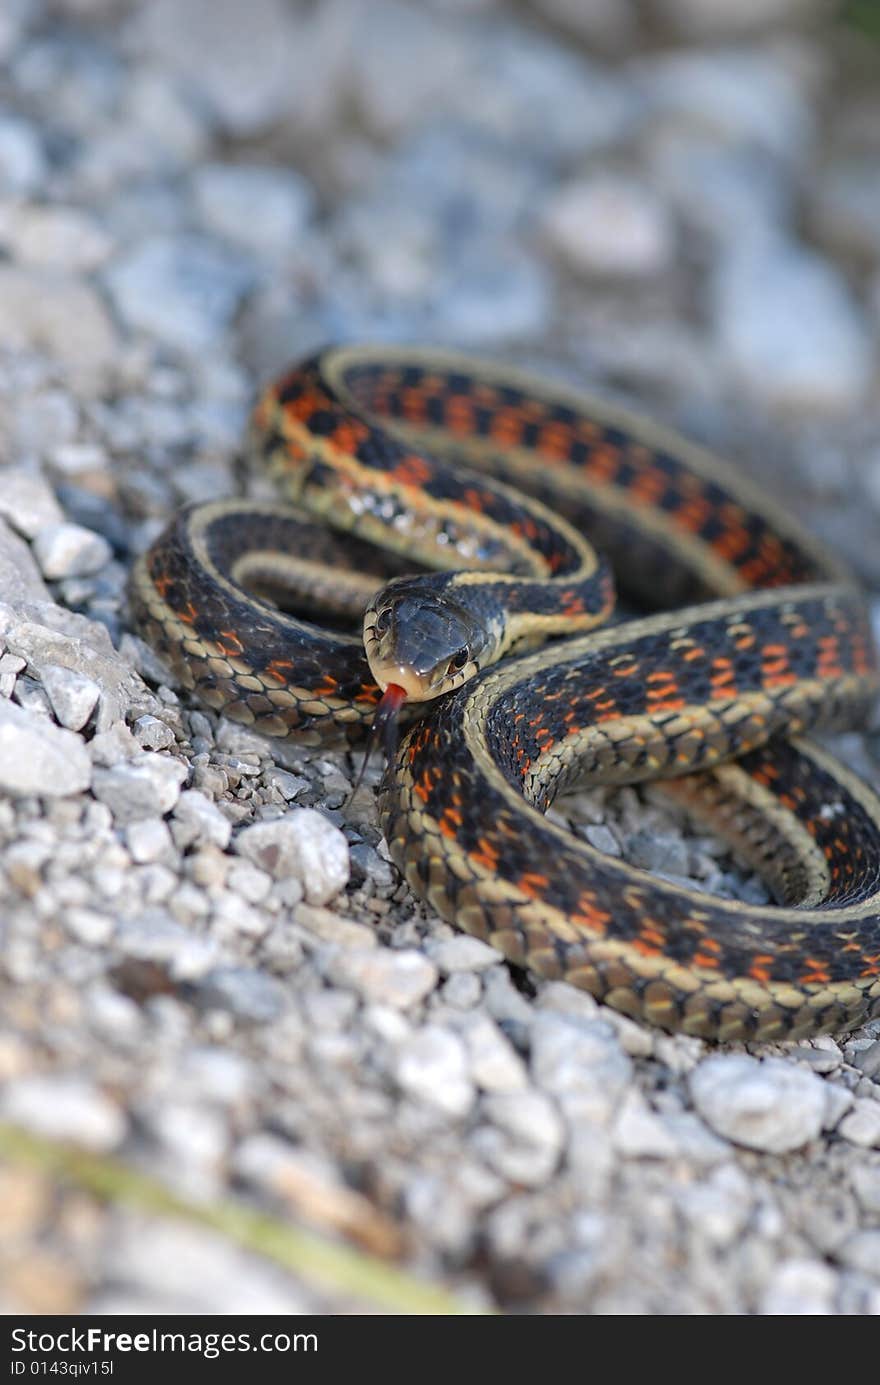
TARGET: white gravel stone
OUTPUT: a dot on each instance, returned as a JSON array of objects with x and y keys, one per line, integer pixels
[
  {"x": 72, "y": 695},
  {"x": 149, "y": 840},
  {"x": 69, "y": 550},
  {"x": 581, "y": 1063},
  {"x": 862, "y": 1125},
  {"x": 147, "y": 787},
  {"x": 433, "y": 1067},
  {"x": 525, "y": 1137},
  {"x": 63, "y": 317},
  {"x": 198, "y": 821},
  {"x": 152, "y": 733},
  {"x": 609, "y": 225},
  {"x": 741, "y": 95},
  {"x": 761, "y": 299},
  {"x": 155, "y": 937},
  {"x": 262, "y": 207},
  {"x": 182, "y": 289},
  {"x": 64, "y": 1108},
  {"x": 400, "y": 979},
  {"x": 172, "y": 1268},
  {"x": 861, "y": 1251},
  {"x": 800, "y": 1287},
  {"x": 28, "y": 502},
  {"x": 20, "y": 579},
  {"x": 249, "y": 881},
  {"x": 242, "y": 61},
  {"x": 495, "y": 1065},
  {"x": 304, "y": 845},
  {"x": 771, "y": 1105},
  {"x": 461, "y": 953},
  {"x": 22, "y": 160},
  {"x": 718, "y": 1207},
  {"x": 640, "y": 1134},
  {"x": 601, "y": 23},
  {"x": 38, "y": 758},
  {"x": 60, "y": 238}
]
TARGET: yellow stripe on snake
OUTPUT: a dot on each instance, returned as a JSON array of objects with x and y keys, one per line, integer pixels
[{"x": 501, "y": 491}]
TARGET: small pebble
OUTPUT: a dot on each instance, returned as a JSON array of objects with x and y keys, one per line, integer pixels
[
  {"x": 770, "y": 1105},
  {"x": 68, "y": 550},
  {"x": 302, "y": 844}
]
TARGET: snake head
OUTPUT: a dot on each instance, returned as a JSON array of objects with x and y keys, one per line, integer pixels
[{"x": 420, "y": 638}]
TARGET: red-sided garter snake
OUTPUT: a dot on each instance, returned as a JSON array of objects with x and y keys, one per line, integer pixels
[{"x": 419, "y": 451}]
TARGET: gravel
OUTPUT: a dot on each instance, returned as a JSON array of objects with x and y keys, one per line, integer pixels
[
  {"x": 770, "y": 1105},
  {"x": 211, "y": 970}
]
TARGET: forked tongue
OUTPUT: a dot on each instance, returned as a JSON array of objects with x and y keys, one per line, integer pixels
[{"x": 385, "y": 727}]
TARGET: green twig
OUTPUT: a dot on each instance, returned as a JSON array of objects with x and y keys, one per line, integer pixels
[{"x": 320, "y": 1262}]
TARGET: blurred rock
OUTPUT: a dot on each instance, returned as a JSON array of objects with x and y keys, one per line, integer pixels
[
  {"x": 182, "y": 289},
  {"x": 61, "y": 316},
  {"x": 609, "y": 225},
  {"x": 789, "y": 329},
  {"x": 260, "y": 207},
  {"x": 603, "y": 24},
  {"x": 740, "y": 94},
  {"x": 240, "y": 59},
  {"x": 709, "y": 19}
]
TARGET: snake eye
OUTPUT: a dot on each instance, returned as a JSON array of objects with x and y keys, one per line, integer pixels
[
  {"x": 383, "y": 621},
  {"x": 458, "y": 661}
]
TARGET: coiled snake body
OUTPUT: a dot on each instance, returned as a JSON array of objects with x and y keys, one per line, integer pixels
[{"x": 428, "y": 455}]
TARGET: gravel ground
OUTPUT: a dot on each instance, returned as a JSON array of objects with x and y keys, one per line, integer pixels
[{"x": 213, "y": 980}]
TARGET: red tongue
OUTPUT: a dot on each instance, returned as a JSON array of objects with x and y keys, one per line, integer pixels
[{"x": 384, "y": 725}]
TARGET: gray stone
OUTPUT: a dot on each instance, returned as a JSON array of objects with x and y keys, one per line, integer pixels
[
  {"x": 606, "y": 24},
  {"x": 264, "y": 208},
  {"x": 55, "y": 238},
  {"x": 382, "y": 976},
  {"x": 158, "y": 1263},
  {"x": 697, "y": 19},
  {"x": 182, "y": 289},
  {"x": 62, "y": 317},
  {"x": 244, "y": 63},
  {"x": 740, "y": 95},
  {"x": 38, "y": 758},
  {"x": 28, "y": 502},
  {"x": 69, "y": 550},
  {"x": 865, "y": 1179},
  {"x": 607, "y": 225},
  {"x": 147, "y": 787},
  {"x": 868, "y": 1060},
  {"x": 495, "y": 1066},
  {"x": 580, "y": 1062},
  {"x": 154, "y": 936},
  {"x": 461, "y": 953},
  {"x": 149, "y": 840},
  {"x": 760, "y": 299},
  {"x": 862, "y": 1125},
  {"x": 302, "y": 844},
  {"x": 432, "y": 1066},
  {"x": 151, "y": 733},
  {"x": 719, "y": 1206},
  {"x": 64, "y": 1107},
  {"x": 771, "y": 1105},
  {"x": 800, "y": 1287},
  {"x": 22, "y": 160},
  {"x": 46, "y": 635},
  {"x": 861, "y": 1251},
  {"x": 250, "y": 995},
  {"x": 20, "y": 578},
  {"x": 73, "y": 696},
  {"x": 640, "y": 1134}
]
